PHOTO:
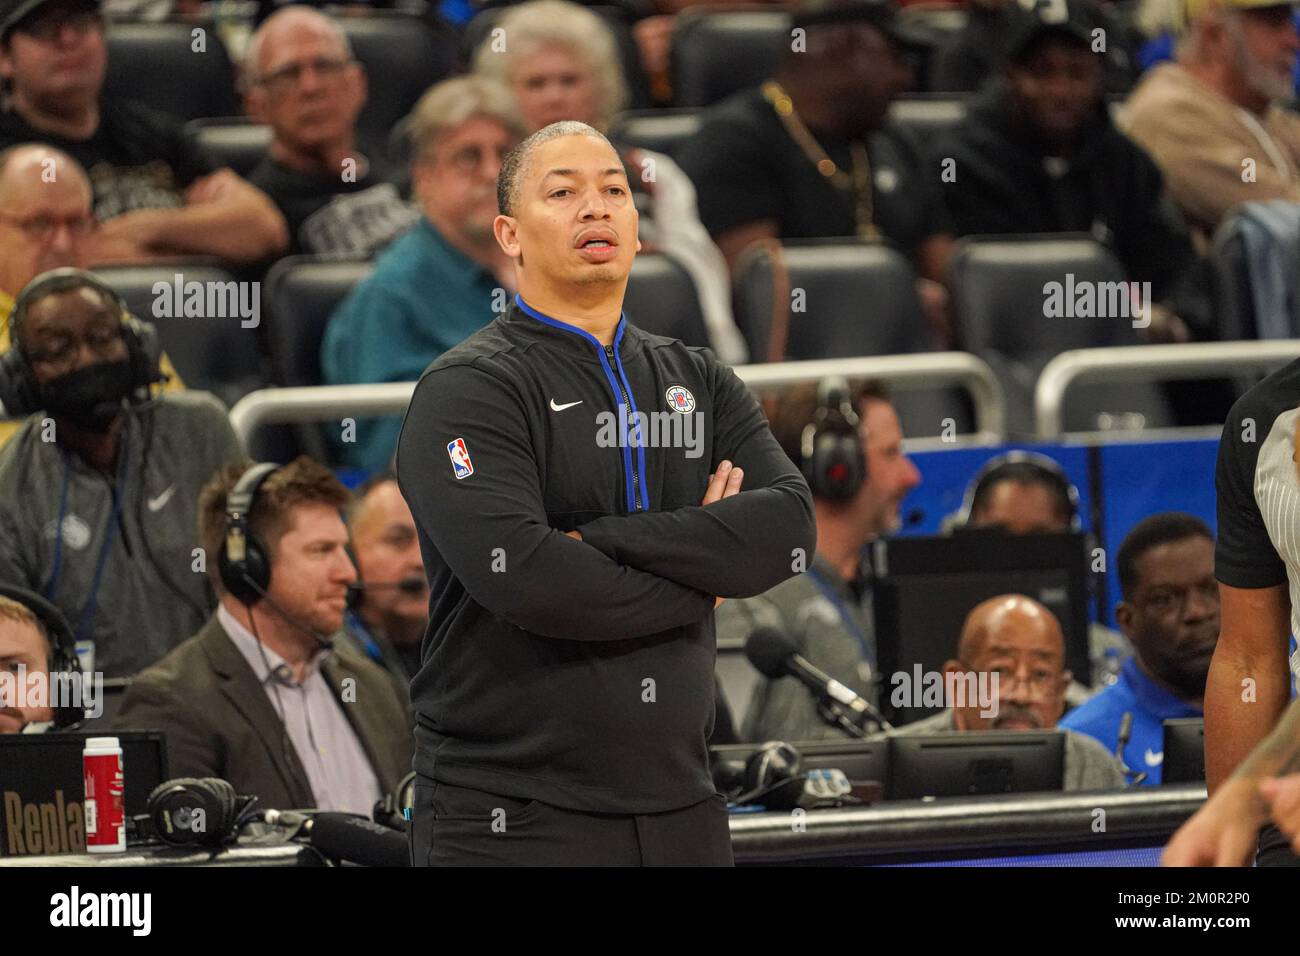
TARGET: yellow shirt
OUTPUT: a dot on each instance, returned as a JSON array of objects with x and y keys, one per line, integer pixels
[{"x": 8, "y": 426}]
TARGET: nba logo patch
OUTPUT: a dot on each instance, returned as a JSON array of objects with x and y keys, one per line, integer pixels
[
  {"x": 459, "y": 455},
  {"x": 680, "y": 399}
]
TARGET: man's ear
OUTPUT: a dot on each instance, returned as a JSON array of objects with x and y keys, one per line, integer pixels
[
  {"x": 1126, "y": 618},
  {"x": 506, "y": 230},
  {"x": 255, "y": 104}
]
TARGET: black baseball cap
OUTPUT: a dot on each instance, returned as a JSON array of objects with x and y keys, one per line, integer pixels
[
  {"x": 13, "y": 12},
  {"x": 1075, "y": 19}
]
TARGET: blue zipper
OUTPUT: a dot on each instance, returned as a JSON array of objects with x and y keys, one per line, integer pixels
[{"x": 638, "y": 499}]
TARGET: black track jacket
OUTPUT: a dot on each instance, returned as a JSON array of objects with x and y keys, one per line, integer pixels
[{"x": 580, "y": 673}]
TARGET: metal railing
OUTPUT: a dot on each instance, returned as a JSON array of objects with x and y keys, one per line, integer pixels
[
  {"x": 1148, "y": 363},
  {"x": 923, "y": 371}
]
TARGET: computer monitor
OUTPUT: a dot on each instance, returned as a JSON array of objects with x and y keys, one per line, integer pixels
[
  {"x": 1184, "y": 760},
  {"x": 42, "y": 787},
  {"x": 925, "y": 587},
  {"x": 977, "y": 762}
]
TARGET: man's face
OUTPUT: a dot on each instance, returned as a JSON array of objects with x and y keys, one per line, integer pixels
[
  {"x": 575, "y": 222},
  {"x": 861, "y": 71},
  {"x": 1057, "y": 87},
  {"x": 43, "y": 225},
  {"x": 1027, "y": 653},
  {"x": 1173, "y": 618},
  {"x": 457, "y": 181},
  {"x": 891, "y": 475},
  {"x": 388, "y": 551},
  {"x": 311, "y": 570},
  {"x": 57, "y": 57},
  {"x": 1264, "y": 44},
  {"x": 1017, "y": 508},
  {"x": 21, "y": 645},
  {"x": 308, "y": 90},
  {"x": 66, "y": 331},
  {"x": 553, "y": 83}
]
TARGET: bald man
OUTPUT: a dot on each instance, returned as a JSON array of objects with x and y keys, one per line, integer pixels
[
  {"x": 45, "y": 223},
  {"x": 389, "y": 617},
  {"x": 301, "y": 79},
  {"x": 1018, "y": 641}
]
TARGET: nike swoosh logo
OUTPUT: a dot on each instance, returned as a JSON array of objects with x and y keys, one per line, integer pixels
[
  {"x": 560, "y": 408},
  {"x": 156, "y": 504},
  {"x": 1154, "y": 759}
]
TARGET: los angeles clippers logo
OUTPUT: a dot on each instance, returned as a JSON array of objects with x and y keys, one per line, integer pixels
[
  {"x": 459, "y": 454},
  {"x": 680, "y": 399}
]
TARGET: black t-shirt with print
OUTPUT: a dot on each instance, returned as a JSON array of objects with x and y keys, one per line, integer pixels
[
  {"x": 747, "y": 168},
  {"x": 138, "y": 158},
  {"x": 353, "y": 214}
]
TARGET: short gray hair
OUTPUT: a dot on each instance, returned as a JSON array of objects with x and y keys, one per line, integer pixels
[
  {"x": 448, "y": 104},
  {"x": 559, "y": 23},
  {"x": 250, "y": 74},
  {"x": 517, "y": 160}
]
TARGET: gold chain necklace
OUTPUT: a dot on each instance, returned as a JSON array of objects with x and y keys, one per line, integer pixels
[{"x": 858, "y": 184}]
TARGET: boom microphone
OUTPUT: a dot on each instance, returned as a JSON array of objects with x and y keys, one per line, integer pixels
[
  {"x": 354, "y": 839},
  {"x": 774, "y": 656},
  {"x": 409, "y": 585}
]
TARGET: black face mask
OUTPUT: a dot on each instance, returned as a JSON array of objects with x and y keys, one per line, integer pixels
[{"x": 91, "y": 397}]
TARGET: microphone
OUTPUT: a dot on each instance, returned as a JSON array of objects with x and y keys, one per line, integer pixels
[
  {"x": 324, "y": 640},
  {"x": 914, "y": 517},
  {"x": 1125, "y": 732},
  {"x": 413, "y": 584},
  {"x": 354, "y": 839},
  {"x": 774, "y": 656}
]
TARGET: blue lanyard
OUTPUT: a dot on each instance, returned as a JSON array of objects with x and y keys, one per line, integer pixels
[
  {"x": 846, "y": 618},
  {"x": 87, "y": 609}
]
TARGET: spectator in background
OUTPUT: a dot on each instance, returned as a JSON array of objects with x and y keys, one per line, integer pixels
[
  {"x": 98, "y": 489},
  {"x": 825, "y": 612},
  {"x": 24, "y": 643},
  {"x": 1170, "y": 612},
  {"x": 813, "y": 154},
  {"x": 259, "y": 696},
  {"x": 300, "y": 78},
  {"x": 155, "y": 194},
  {"x": 45, "y": 223},
  {"x": 980, "y": 50},
  {"x": 1018, "y": 640},
  {"x": 561, "y": 63},
  {"x": 1215, "y": 120},
  {"x": 447, "y": 277},
  {"x": 1037, "y": 153},
  {"x": 1024, "y": 492},
  {"x": 389, "y": 612}
]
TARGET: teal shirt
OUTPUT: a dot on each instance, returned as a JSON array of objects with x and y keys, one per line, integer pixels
[{"x": 423, "y": 298}]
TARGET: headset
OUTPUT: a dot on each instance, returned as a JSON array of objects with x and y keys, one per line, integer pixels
[
  {"x": 244, "y": 563},
  {"x": 19, "y": 393},
  {"x": 202, "y": 811},
  {"x": 1046, "y": 469},
  {"x": 63, "y": 650},
  {"x": 831, "y": 456}
]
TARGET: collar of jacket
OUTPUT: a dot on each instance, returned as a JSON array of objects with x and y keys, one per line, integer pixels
[
  {"x": 579, "y": 342},
  {"x": 241, "y": 687}
]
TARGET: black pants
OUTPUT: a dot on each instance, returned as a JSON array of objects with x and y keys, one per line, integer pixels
[
  {"x": 457, "y": 826},
  {"x": 1275, "y": 848}
]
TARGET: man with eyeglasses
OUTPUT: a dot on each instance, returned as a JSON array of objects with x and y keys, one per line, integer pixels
[
  {"x": 338, "y": 198},
  {"x": 155, "y": 193},
  {"x": 1018, "y": 641},
  {"x": 45, "y": 223},
  {"x": 99, "y": 488},
  {"x": 443, "y": 280},
  {"x": 1170, "y": 612}
]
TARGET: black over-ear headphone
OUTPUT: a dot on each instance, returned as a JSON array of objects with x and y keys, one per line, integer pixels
[
  {"x": 244, "y": 563},
  {"x": 19, "y": 393},
  {"x": 1046, "y": 469},
  {"x": 63, "y": 656},
  {"x": 831, "y": 456},
  {"x": 205, "y": 811}
]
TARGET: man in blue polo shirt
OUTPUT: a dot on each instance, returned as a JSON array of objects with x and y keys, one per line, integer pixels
[
  {"x": 446, "y": 278},
  {"x": 1170, "y": 612}
]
